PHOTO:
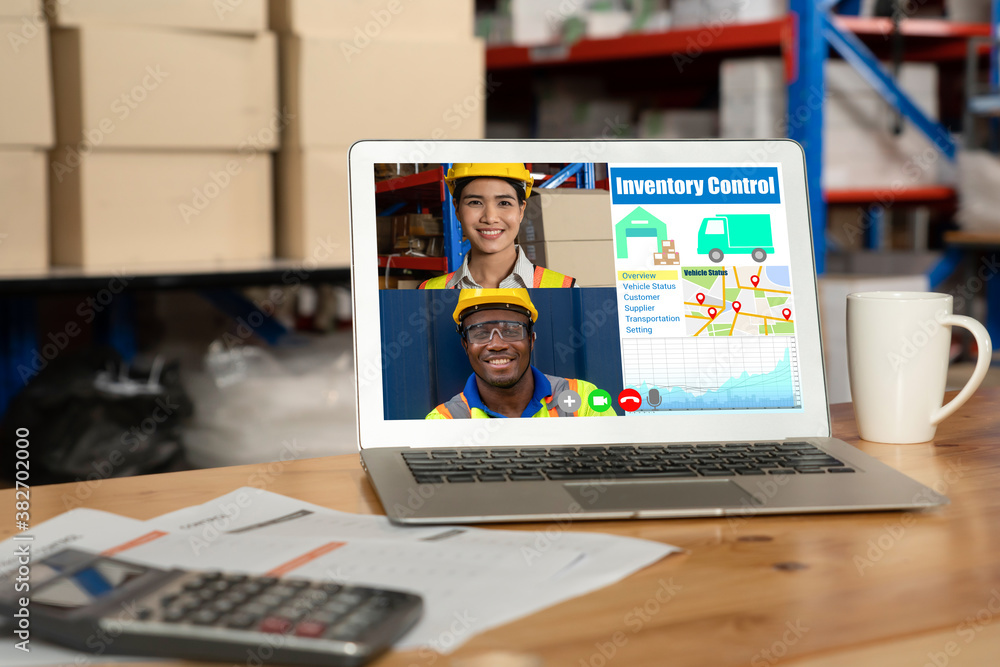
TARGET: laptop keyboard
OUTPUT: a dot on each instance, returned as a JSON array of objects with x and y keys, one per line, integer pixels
[{"x": 620, "y": 462}]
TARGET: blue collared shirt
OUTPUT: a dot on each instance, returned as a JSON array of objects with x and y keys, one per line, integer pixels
[{"x": 543, "y": 389}]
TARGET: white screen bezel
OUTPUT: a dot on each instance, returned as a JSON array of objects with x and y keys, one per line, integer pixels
[{"x": 813, "y": 420}]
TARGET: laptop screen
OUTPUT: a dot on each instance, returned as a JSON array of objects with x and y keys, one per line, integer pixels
[{"x": 669, "y": 290}]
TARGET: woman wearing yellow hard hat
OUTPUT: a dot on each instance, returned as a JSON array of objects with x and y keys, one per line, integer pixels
[{"x": 490, "y": 199}]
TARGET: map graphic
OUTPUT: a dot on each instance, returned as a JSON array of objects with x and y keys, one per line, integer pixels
[
  {"x": 713, "y": 373},
  {"x": 738, "y": 301}
]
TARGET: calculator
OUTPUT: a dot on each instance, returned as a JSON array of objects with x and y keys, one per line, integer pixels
[{"x": 104, "y": 605}]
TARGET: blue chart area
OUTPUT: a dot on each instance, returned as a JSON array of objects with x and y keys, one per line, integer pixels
[{"x": 758, "y": 373}]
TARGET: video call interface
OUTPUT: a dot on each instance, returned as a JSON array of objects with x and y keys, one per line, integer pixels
[{"x": 657, "y": 289}]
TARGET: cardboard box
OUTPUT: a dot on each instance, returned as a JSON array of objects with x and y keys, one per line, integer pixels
[
  {"x": 119, "y": 208},
  {"x": 567, "y": 214},
  {"x": 391, "y": 90},
  {"x": 150, "y": 89},
  {"x": 242, "y": 16},
  {"x": 592, "y": 263},
  {"x": 666, "y": 259},
  {"x": 20, "y": 9},
  {"x": 366, "y": 20},
  {"x": 313, "y": 211},
  {"x": 25, "y": 85},
  {"x": 24, "y": 215},
  {"x": 667, "y": 246},
  {"x": 424, "y": 224}
]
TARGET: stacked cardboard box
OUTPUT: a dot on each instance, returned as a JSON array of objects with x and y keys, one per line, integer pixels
[
  {"x": 166, "y": 116},
  {"x": 569, "y": 231},
  {"x": 227, "y": 16},
  {"x": 366, "y": 69},
  {"x": 667, "y": 256},
  {"x": 693, "y": 13},
  {"x": 860, "y": 148},
  {"x": 25, "y": 132}
]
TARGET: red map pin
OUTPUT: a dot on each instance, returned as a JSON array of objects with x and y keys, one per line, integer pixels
[
  {"x": 737, "y": 306},
  {"x": 787, "y": 313},
  {"x": 755, "y": 280},
  {"x": 700, "y": 298},
  {"x": 712, "y": 311}
]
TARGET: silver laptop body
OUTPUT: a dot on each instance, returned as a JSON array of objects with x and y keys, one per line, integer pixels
[{"x": 794, "y": 465}]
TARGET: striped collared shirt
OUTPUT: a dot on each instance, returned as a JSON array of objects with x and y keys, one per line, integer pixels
[{"x": 522, "y": 275}]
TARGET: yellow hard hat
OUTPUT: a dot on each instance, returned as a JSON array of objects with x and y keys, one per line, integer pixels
[
  {"x": 496, "y": 299},
  {"x": 513, "y": 170}
]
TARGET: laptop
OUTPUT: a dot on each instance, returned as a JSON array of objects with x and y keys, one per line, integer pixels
[{"x": 654, "y": 352}]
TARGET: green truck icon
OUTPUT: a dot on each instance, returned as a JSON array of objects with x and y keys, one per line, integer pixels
[{"x": 745, "y": 234}]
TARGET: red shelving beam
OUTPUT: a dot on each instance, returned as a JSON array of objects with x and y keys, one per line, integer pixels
[
  {"x": 414, "y": 263},
  {"x": 938, "y": 39},
  {"x": 925, "y": 39},
  {"x": 939, "y": 28},
  {"x": 414, "y": 180},
  {"x": 734, "y": 37},
  {"x": 932, "y": 194}
]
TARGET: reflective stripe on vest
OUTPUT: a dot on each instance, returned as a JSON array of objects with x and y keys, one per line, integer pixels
[
  {"x": 456, "y": 408},
  {"x": 437, "y": 282},
  {"x": 547, "y": 278}
]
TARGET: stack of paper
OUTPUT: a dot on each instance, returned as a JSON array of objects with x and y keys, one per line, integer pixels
[{"x": 471, "y": 579}]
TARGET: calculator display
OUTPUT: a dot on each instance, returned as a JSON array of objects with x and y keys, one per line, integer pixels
[{"x": 88, "y": 585}]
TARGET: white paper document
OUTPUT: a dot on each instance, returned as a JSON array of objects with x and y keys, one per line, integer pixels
[
  {"x": 491, "y": 598},
  {"x": 471, "y": 579}
]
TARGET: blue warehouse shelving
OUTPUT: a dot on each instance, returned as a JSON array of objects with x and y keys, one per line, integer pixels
[{"x": 804, "y": 38}]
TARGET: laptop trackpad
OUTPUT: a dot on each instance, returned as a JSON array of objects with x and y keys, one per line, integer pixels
[{"x": 651, "y": 495}]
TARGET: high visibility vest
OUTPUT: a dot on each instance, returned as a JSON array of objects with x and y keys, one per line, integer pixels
[
  {"x": 458, "y": 407},
  {"x": 542, "y": 278}
]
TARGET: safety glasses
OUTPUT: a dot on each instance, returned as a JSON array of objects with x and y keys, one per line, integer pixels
[{"x": 508, "y": 331}]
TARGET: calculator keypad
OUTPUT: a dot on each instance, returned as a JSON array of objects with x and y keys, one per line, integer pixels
[{"x": 267, "y": 604}]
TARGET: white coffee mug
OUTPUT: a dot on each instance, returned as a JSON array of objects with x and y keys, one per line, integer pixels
[{"x": 898, "y": 347}]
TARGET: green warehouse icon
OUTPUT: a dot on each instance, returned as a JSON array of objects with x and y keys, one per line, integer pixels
[{"x": 638, "y": 223}]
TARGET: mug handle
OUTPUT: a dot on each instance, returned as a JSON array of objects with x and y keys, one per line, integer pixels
[{"x": 982, "y": 365}]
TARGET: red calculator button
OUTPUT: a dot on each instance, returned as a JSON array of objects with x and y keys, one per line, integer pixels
[
  {"x": 275, "y": 624},
  {"x": 310, "y": 629}
]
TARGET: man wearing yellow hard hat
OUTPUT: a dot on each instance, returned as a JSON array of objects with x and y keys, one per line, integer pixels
[
  {"x": 490, "y": 199},
  {"x": 496, "y": 329}
]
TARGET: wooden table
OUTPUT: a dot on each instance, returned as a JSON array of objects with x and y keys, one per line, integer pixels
[{"x": 880, "y": 589}]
